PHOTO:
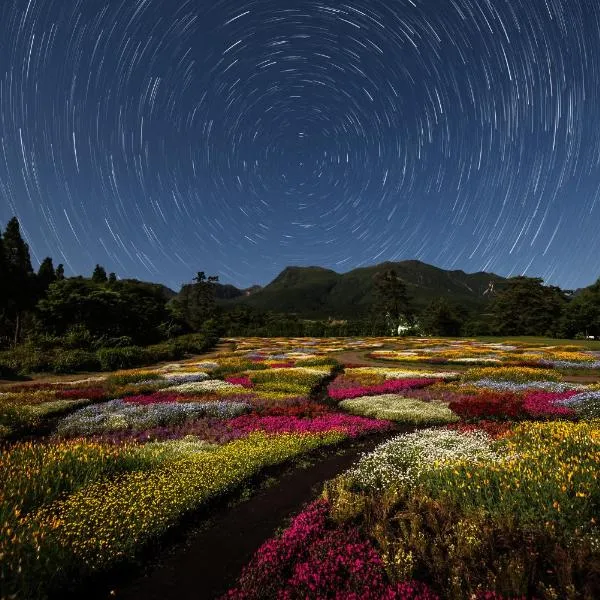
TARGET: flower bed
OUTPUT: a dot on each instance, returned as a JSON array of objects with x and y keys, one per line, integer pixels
[
  {"x": 389, "y": 386},
  {"x": 400, "y": 409}
]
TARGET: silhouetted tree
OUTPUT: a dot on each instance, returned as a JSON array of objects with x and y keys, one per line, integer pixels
[
  {"x": 99, "y": 275},
  {"x": 582, "y": 313},
  {"x": 391, "y": 299},
  {"x": 528, "y": 307},
  {"x": 45, "y": 276},
  {"x": 60, "y": 272},
  {"x": 440, "y": 319},
  {"x": 195, "y": 304},
  {"x": 19, "y": 277}
]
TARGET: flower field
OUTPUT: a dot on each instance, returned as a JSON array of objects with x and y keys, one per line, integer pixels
[
  {"x": 111, "y": 463},
  {"x": 492, "y": 494},
  {"x": 499, "y": 500}
]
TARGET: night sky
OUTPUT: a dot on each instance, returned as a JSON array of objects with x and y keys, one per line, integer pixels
[{"x": 162, "y": 137}]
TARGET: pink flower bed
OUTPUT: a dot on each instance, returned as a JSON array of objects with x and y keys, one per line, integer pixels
[
  {"x": 91, "y": 393},
  {"x": 312, "y": 559},
  {"x": 540, "y": 404},
  {"x": 349, "y": 424},
  {"x": 156, "y": 398},
  {"x": 291, "y": 407},
  {"x": 387, "y": 387}
]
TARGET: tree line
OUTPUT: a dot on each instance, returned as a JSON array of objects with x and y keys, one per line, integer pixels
[
  {"x": 46, "y": 309},
  {"x": 521, "y": 306}
]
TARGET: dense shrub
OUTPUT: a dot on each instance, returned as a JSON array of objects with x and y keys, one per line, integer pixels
[
  {"x": 112, "y": 359},
  {"x": 70, "y": 361}
]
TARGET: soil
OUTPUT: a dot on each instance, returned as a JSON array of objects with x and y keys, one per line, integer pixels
[{"x": 208, "y": 560}]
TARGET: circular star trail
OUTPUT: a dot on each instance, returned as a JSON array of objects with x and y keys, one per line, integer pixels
[{"x": 163, "y": 138}]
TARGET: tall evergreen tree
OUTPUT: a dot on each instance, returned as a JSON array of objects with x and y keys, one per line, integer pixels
[
  {"x": 45, "y": 276},
  {"x": 99, "y": 275},
  {"x": 60, "y": 272},
  {"x": 16, "y": 250},
  {"x": 392, "y": 299},
  {"x": 19, "y": 278}
]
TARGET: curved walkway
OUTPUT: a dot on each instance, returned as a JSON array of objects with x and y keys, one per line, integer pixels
[{"x": 207, "y": 562}]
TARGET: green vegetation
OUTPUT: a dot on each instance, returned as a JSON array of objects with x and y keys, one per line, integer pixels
[{"x": 49, "y": 322}]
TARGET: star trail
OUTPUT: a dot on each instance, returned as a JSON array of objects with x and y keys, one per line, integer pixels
[{"x": 160, "y": 138}]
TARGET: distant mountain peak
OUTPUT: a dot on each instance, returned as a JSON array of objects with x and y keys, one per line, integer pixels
[{"x": 319, "y": 292}]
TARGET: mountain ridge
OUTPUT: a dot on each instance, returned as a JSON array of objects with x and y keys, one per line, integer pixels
[{"x": 319, "y": 292}]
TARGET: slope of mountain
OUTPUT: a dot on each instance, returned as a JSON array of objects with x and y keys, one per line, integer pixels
[{"x": 320, "y": 293}]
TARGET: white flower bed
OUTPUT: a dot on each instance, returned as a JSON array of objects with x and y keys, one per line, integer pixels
[
  {"x": 401, "y": 460},
  {"x": 393, "y": 407},
  {"x": 117, "y": 414}
]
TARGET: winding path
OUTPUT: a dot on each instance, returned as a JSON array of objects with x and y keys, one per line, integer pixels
[{"x": 208, "y": 561}]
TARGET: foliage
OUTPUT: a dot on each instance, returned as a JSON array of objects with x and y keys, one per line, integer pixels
[{"x": 527, "y": 307}]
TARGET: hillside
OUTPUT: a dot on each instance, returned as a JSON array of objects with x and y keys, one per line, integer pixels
[{"x": 315, "y": 292}]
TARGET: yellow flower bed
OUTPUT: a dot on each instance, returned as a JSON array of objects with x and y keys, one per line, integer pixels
[
  {"x": 548, "y": 473},
  {"x": 516, "y": 374},
  {"x": 106, "y": 522}
]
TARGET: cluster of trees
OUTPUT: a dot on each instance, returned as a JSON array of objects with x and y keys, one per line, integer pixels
[
  {"x": 94, "y": 312},
  {"x": 103, "y": 311},
  {"x": 523, "y": 306}
]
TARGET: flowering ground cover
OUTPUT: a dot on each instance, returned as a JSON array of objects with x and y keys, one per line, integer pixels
[
  {"x": 496, "y": 497},
  {"x": 123, "y": 458},
  {"x": 500, "y": 502}
]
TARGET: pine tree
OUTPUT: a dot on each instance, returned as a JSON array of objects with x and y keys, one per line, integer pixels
[
  {"x": 4, "y": 280},
  {"x": 15, "y": 249},
  {"x": 20, "y": 296},
  {"x": 45, "y": 276},
  {"x": 60, "y": 272},
  {"x": 99, "y": 275}
]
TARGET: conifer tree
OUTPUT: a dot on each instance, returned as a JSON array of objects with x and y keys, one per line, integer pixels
[
  {"x": 99, "y": 275},
  {"x": 45, "y": 276},
  {"x": 19, "y": 275}
]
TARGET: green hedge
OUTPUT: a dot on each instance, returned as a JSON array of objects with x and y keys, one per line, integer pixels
[{"x": 28, "y": 359}]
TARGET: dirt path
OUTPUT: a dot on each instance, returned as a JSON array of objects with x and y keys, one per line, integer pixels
[{"x": 208, "y": 561}]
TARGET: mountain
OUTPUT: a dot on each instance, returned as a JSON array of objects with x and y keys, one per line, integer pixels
[
  {"x": 226, "y": 291},
  {"x": 316, "y": 292}
]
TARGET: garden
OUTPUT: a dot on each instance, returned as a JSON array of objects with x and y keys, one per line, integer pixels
[{"x": 484, "y": 486}]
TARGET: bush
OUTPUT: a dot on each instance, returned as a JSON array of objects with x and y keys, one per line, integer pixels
[
  {"x": 78, "y": 337},
  {"x": 70, "y": 361},
  {"x": 164, "y": 351},
  {"x": 112, "y": 359}
]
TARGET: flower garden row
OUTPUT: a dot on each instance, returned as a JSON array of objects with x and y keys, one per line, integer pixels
[
  {"x": 449, "y": 512},
  {"x": 119, "y": 460},
  {"x": 500, "y": 500}
]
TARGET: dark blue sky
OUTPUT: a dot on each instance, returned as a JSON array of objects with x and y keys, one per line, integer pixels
[{"x": 160, "y": 138}]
